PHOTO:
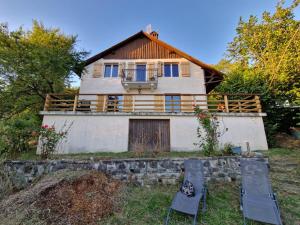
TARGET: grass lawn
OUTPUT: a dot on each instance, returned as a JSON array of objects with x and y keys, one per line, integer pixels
[
  {"x": 31, "y": 155},
  {"x": 149, "y": 205}
]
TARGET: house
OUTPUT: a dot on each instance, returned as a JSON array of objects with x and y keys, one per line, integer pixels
[{"x": 140, "y": 95}]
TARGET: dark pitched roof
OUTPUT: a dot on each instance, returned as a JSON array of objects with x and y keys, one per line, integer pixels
[{"x": 218, "y": 76}]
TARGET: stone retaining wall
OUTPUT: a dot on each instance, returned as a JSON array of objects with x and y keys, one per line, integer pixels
[{"x": 142, "y": 171}]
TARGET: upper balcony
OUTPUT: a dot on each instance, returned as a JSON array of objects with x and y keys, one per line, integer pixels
[{"x": 139, "y": 78}]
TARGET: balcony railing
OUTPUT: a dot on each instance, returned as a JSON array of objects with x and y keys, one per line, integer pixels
[
  {"x": 237, "y": 103},
  {"x": 139, "y": 78}
]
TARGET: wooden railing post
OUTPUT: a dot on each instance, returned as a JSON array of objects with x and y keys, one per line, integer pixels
[
  {"x": 164, "y": 103},
  {"x": 133, "y": 103},
  {"x": 258, "y": 105},
  {"x": 75, "y": 103},
  {"x": 105, "y": 98},
  {"x": 226, "y": 103},
  {"x": 47, "y": 102},
  {"x": 240, "y": 106}
]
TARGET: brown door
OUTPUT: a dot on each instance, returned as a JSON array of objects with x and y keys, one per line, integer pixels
[{"x": 149, "y": 135}]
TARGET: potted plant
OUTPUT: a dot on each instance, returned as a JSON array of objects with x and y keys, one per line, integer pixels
[
  {"x": 129, "y": 78},
  {"x": 152, "y": 78}
]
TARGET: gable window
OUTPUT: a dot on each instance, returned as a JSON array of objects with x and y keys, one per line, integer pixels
[
  {"x": 111, "y": 70},
  {"x": 172, "y": 103},
  {"x": 171, "y": 70},
  {"x": 114, "y": 103}
]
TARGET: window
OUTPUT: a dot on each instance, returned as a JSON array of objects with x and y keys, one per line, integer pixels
[
  {"x": 171, "y": 70},
  {"x": 111, "y": 70},
  {"x": 114, "y": 103},
  {"x": 172, "y": 103}
]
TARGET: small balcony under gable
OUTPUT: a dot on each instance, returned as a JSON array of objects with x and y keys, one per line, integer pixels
[{"x": 139, "y": 78}]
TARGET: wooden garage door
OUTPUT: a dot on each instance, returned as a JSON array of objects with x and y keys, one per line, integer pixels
[{"x": 149, "y": 135}]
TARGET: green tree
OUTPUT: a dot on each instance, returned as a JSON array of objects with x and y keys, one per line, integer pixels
[
  {"x": 264, "y": 58},
  {"x": 271, "y": 47},
  {"x": 34, "y": 63}
]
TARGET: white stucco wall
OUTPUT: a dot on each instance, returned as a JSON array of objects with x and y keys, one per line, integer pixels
[
  {"x": 104, "y": 132},
  {"x": 91, "y": 133},
  {"x": 184, "y": 85},
  {"x": 240, "y": 129},
  {"x": 243, "y": 129}
]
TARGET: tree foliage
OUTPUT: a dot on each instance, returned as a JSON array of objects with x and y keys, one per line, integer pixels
[
  {"x": 270, "y": 46},
  {"x": 34, "y": 63},
  {"x": 15, "y": 133},
  {"x": 245, "y": 81},
  {"x": 264, "y": 58}
]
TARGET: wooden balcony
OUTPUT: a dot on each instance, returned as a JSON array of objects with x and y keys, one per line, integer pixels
[
  {"x": 175, "y": 103},
  {"x": 139, "y": 79}
]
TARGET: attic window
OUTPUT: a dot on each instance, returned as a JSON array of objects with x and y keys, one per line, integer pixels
[{"x": 111, "y": 70}]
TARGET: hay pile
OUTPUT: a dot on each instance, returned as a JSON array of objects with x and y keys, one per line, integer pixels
[
  {"x": 284, "y": 140},
  {"x": 77, "y": 199}
]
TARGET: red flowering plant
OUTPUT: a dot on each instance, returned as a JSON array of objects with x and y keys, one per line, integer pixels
[
  {"x": 49, "y": 139},
  {"x": 207, "y": 131}
]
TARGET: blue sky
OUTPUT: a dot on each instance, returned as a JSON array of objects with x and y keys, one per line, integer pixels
[{"x": 200, "y": 28}]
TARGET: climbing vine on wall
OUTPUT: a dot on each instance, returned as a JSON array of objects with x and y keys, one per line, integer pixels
[{"x": 207, "y": 131}]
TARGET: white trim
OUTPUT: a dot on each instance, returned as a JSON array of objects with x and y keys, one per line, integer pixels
[
  {"x": 111, "y": 70},
  {"x": 162, "y": 114},
  {"x": 171, "y": 68}
]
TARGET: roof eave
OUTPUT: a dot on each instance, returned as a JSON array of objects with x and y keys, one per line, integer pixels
[{"x": 99, "y": 55}]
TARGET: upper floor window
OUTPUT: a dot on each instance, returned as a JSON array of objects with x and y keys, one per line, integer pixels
[
  {"x": 111, "y": 70},
  {"x": 171, "y": 70}
]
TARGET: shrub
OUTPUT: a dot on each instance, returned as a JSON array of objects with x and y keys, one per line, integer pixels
[
  {"x": 280, "y": 117},
  {"x": 6, "y": 186},
  {"x": 15, "y": 134},
  {"x": 50, "y": 138},
  {"x": 227, "y": 150},
  {"x": 208, "y": 123}
]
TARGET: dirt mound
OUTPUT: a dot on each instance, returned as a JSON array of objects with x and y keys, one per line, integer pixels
[
  {"x": 284, "y": 140},
  {"x": 82, "y": 201},
  {"x": 76, "y": 198}
]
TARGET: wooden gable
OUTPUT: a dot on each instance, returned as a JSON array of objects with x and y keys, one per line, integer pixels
[
  {"x": 142, "y": 48},
  {"x": 146, "y": 46}
]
